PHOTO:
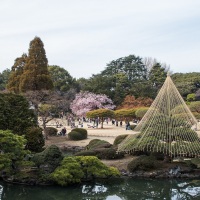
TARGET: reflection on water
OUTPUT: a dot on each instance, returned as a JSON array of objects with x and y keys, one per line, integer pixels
[
  {"x": 116, "y": 189},
  {"x": 1, "y": 190}
]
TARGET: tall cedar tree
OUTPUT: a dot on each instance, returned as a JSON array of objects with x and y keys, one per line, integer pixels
[
  {"x": 35, "y": 74},
  {"x": 16, "y": 72}
]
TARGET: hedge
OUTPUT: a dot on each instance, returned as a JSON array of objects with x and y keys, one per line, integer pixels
[{"x": 74, "y": 135}]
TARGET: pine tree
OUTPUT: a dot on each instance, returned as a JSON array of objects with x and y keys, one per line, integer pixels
[
  {"x": 15, "y": 114},
  {"x": 157, "y": 77},
  {"x": 35, "y": 74}
]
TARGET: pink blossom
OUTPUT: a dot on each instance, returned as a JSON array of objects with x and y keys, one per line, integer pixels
[{"x": 86, "y": 101}]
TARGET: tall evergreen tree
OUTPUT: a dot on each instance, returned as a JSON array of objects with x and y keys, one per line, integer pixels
[
  {"x": 157, "y": 76},
  {"x": 61, "y": 78},
  {"x": 35, "y": 74},
  {"x": 4, "y": 78},
  {"x": 126, "y": 73},
  {"x": 16, "y": 72},
  {"x": 15, "y": 114}
]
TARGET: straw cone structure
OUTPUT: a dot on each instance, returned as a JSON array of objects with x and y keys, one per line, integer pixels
[{"x": 168, "y": 127}]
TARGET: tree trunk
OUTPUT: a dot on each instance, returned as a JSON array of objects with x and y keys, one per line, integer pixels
[
  {"x": 44, "y": 129},
  {"x": 102, "y": 122}
]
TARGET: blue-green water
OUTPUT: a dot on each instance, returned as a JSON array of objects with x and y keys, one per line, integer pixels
[{"x": 118, "y": 189}]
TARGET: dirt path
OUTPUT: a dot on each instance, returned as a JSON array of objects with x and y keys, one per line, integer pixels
[{"x": 108, "y": 133}]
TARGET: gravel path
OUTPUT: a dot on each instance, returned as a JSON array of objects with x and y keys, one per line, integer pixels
[{"x": 108, "y": 133}]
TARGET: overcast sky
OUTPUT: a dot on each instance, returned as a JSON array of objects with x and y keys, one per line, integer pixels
[{"x": 82, "y": 36}]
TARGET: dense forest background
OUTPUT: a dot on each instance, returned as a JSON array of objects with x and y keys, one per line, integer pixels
[{"x": 126, "y": 76}]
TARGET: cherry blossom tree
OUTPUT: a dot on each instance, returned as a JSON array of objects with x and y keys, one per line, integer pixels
[{"x": 86, "y": 101}]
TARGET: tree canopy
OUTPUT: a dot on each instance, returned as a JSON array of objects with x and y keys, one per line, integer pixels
[
  {"x": 101, "y": 114},
  {"x": 187, "y": 83},
  {"x": 86, "y": 101},
  {"x": 31, "y": 72},
  {"x": 128, "y": 75},
  {"x": 61, "y": 78},
  {"x": 16, "y": 73},
  {"x": 131, "y": 102},
  {"x": 15, "y": 114}
]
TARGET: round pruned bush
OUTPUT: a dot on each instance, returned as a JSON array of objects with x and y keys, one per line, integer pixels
[
  {"x": 86, "y": 153},
  {"x": 142, "y": 163},
  {"x": 73, "y": 135},
  {"x": 81, "y": 130},
  {"x": 97, "y": 143},
  {"x": 140, "y": 112},
  {"x": 51, "y": 131},
  {"x": 119, "y": 139},
  {"x": 108, "y": 153}
]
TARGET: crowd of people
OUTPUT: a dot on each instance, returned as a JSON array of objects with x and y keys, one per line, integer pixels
[{"x": 93, "y": 123}]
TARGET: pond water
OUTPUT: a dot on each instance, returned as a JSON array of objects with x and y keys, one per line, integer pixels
[{"x": 115, "y": 189}]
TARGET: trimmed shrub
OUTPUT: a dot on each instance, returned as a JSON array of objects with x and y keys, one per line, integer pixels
[
  {"x": 81, "y": 130},
  {"x": 139, "y": 153},
  {"x": 119, "y": 139},
  {"x": 73, "y": 135},
  {"x": 86, "y": 153},
  {"x": 51, "y": 131},
  {"x": 77, "y": 168},
  {"x": 50, "y": 158},
  {"x": 108, "y": 153},
  {"x": 140, "y": 112},
  {"x": 96, "y": 143},
  {"x": 35, "y": 139},
  {"x": 157, "y": 155},
  {"x": 78, "y": 134},
  {"x": 142, "y": 163}
]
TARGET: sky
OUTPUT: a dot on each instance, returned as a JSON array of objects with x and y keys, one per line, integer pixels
[{"x": 83, "y": 36}]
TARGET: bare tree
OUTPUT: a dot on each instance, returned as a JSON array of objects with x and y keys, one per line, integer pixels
[
  {"x": 48, "y": 104},
  {"x": 149, "y": 62}
]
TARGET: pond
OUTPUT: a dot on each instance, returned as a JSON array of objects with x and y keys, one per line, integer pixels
[{"x": 115, "y": 189}]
